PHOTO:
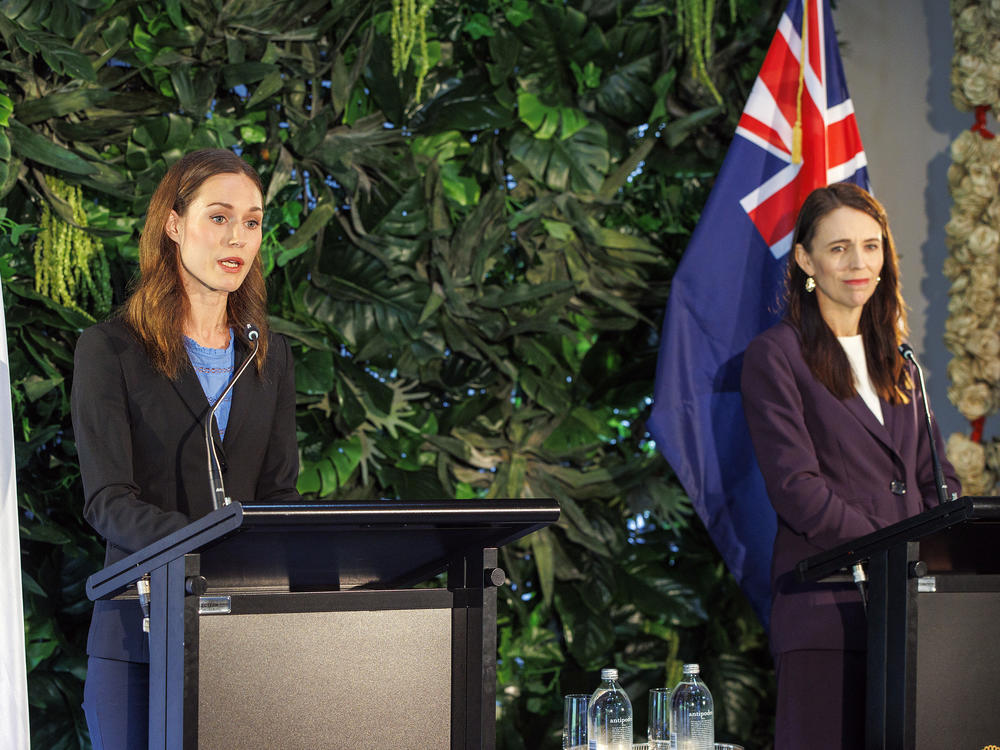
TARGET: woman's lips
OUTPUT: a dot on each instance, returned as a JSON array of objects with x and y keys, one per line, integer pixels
[
  {"x": 231, "y": 265},
  {"x": 856, "y": 282}
]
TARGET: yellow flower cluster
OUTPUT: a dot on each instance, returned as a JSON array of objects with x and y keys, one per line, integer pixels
[
  {"x": 70, "y": 265},
  {"x": 409, "y": 27},
  {"x": 694, "y": 20}
]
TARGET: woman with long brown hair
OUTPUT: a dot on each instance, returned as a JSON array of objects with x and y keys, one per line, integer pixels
[
  {"x": 837, "y": 428},
  {"x": 143, "y": 386}
]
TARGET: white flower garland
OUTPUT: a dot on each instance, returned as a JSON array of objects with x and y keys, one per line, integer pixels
[{"x": 972, "y": 332}]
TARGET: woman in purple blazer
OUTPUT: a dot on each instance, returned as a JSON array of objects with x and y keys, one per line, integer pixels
[{"x": 837, "y": 428}]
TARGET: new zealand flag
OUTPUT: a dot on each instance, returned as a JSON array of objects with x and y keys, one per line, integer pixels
[{"x": 729, "y": 285}]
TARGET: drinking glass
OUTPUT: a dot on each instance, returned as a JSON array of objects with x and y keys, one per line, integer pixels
[
  {"x": 659, "y": 719},
  {"x": 575, "y": 721}
]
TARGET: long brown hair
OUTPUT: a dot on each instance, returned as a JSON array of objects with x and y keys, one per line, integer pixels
[
  {"x": 158, "y": 306},
  {"x": 883, "y": 318}
]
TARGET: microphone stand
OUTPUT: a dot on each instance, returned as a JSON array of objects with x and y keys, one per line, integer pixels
[
  {"x": 219, "y": 498},
  {"x": 942, "y": 486},
  {"x": 858, "y": 570},
  {"x": 218, "y": 489}
]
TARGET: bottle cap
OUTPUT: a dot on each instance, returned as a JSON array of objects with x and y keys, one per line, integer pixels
[
  {"x": 609, "y": 674},
  {"x": 691, "y": 669}
]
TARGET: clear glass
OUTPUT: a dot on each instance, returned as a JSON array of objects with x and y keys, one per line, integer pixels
[
  {"x": 692, "y": 713},
  {"x": 609, "y": 718},
  {"x": 658, "y": 729},
  {"x": 575, "y": 721}
]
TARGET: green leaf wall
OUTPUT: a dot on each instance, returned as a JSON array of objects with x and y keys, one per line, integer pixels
[{"x": 472, "y": 283}]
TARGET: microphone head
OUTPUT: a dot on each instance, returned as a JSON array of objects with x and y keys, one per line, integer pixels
[
  {"x": 906, "y": 350},
  {"x": 252, "y": 331}
]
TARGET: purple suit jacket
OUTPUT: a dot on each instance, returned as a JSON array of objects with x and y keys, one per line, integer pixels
[{"x": 829, "y": 466}]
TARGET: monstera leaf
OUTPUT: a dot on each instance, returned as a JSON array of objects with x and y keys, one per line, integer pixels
[{"x": 578, "y": 163}]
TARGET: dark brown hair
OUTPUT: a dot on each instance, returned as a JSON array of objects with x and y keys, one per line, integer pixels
[
  {"x": 883, "y": 318},
  {"x": 158, "y": 306}
]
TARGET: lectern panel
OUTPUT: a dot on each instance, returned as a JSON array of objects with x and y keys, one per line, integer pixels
[
  {"x": 958, "y": 670},
  {"x": 308, "y": 680}
]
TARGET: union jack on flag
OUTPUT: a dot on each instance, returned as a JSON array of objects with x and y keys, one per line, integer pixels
[
  {"x": 831, "y": 144},
  {"x": 797, "y": 132}
]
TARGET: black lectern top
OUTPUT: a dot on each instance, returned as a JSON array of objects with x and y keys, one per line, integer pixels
[
  {"x": 334, "y": 546},
  {"x": 918, "y": 527}
]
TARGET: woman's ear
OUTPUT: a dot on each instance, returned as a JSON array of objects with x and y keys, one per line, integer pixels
[
  {"x": 803, "y": 259},
  {"x": 172, "y": 226}
]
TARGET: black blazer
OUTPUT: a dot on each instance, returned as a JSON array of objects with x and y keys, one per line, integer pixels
[{"x": 141, "y": 446}]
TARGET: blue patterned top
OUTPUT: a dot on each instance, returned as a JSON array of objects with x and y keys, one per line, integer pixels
[{"x": 214, "y": 368}]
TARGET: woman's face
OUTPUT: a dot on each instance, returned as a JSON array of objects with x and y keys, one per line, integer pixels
[
  {"x": 219, "y": 234},
  {"x": 845, "y": 258}
]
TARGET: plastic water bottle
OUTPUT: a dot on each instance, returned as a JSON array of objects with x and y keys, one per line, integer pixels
[
  {"x": 609, "y": 715},
  {"x": 692, "y": 713}
]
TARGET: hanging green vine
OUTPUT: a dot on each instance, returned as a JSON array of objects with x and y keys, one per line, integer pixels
[
  {"x": 409, "y": 28},
  {"x": 70, "y": 265},
  {"x": 694, "y": 20}
]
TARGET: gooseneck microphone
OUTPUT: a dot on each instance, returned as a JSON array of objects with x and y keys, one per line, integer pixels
[
  {"x": 219, "y": 498},
  {"x": 942, "y": 486}
]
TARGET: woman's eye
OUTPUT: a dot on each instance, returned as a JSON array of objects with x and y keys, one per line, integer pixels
[
  {"x": 218, "y": 219},
  {"x": 253, "y": 224}
]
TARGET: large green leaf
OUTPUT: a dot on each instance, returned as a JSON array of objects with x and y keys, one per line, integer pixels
[
  {"x": 588, "y": 630},
  {"x": 314, "y": 372},
  {"x": 28, "y": 144},
  {"x": 60, "y": 104},
  {"x": 578, "y": 163}
]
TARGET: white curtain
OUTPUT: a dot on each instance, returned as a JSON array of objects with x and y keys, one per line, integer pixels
[{"x": 13, "y": 673}]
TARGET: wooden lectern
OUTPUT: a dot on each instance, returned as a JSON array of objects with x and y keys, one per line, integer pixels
[
  {"x": 297, "y": 626},
  {"x": 933, "y": 626}
]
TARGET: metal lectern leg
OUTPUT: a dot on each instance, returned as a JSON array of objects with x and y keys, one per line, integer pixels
[
  {"x": 474, "y": 650},
  {"x": 900, "y": 668},
  {"x": 875, "y": 688},
  {"x": 488, "y": 623},
  {"x": 166, "y": 656},
  {"x": 889, "y": 689}
]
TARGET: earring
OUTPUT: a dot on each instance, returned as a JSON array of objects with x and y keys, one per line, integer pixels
[
  {"x": 810, "y": 284},
  {"x": 878, "y": 279}
]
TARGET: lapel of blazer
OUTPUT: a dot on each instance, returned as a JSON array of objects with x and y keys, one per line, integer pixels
[
  {"x": 882, "y": 433},
  {"x": 189, "y": 389},
  {"x": 897, "y": 421}
]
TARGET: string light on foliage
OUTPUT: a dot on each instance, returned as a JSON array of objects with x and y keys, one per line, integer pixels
[
  {"x": 70, "y": 265},
  {"x": 409, "y": 27},
  {"x": 694, "y": 20}
]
